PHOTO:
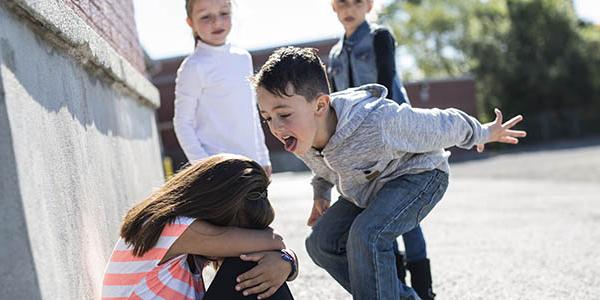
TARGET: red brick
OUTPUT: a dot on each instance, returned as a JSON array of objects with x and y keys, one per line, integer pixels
[{"x": 114, "y": 21}]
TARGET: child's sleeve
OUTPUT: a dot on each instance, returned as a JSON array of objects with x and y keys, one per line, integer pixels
[
  {"x": 188, "y": 90},
  {"x": 416, "y": 130},
  {"x": 329, "y": 73},
  {"x": 261, "y": 147},
  {"x": 385, "y": 58},
  {"x": 321, "y": 188}
]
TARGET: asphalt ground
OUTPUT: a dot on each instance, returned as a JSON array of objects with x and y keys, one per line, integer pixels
[{"x": 518, "y": 225}]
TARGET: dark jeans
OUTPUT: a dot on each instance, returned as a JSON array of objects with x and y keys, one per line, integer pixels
[{"x": 223, "y": 286}]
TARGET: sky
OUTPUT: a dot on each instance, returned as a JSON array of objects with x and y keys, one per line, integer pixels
[{"x": 164, "y": 33}]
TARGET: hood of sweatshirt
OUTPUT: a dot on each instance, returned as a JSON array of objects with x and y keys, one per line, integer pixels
[{"x": 352, "y": 106}]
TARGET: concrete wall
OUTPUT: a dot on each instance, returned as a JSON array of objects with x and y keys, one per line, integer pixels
[{"x": 78, "y": 146}]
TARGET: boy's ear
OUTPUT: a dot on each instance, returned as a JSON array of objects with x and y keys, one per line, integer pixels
[
  {"x": 189, "y": 22},
  {"x": 322, "y": 103}
]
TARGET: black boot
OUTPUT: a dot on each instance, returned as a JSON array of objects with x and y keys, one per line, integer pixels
[
  {"x": 420, "y": 278},
  {"x": 400, "y": 268}
]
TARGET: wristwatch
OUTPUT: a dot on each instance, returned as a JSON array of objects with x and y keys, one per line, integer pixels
[{"x": 289, "y": 256}]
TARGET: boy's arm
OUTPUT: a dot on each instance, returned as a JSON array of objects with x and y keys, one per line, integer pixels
[
  {"x": 321, "y": 188},
  {"x": 321, "y": 199},
  {"x": 417, "y": 130}
]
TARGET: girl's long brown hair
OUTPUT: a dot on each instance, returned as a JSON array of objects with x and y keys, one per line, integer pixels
[{"x": 224, "y": 190}]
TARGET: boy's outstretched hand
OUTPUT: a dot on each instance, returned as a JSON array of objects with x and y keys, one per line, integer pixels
[
  {"x": 318, "y": 209},
  {"x": 502, "y": 132}
]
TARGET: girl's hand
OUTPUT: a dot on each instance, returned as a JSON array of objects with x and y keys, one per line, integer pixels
[
  {"x": 318, "y": 209},
  {"x": 502, "y": 132},
  {"x": 268, "y": 275}
]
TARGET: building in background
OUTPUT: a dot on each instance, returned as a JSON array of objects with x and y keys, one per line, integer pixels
[
  {"x": 459, "y": 93},
  {"x": 78, "y": 142},
  {"x": 164, "y": 72}
]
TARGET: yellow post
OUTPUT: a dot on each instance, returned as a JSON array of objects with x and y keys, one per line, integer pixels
[{"x": 168, "y": 167}]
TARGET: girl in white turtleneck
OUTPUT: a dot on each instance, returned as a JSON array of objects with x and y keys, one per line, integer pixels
[{"x": 215, "y": 104}]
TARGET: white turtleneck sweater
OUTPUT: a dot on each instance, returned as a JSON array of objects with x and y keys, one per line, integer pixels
[{"x": 215, "y": 105}]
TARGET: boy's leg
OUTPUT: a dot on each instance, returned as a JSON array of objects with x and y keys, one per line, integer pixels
[
  {"x": 326, "y": 245},
  {"x": 396, "y": 209},
  {"x": 223, "y": 286},
  {"x": 400, "y": 263},
  {"x": 414, "y": 245},
  {"x": 418, "y": 264},
  {"x": 415, "y": 250}
]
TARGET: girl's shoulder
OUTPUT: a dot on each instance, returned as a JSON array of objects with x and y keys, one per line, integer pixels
[
  {"x": 195, "y": 65},
  {"x": 196, "y": 58},
  {"x": 239, "y": 50}
]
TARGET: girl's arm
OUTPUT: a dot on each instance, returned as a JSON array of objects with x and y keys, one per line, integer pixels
[
  {"x": 204, "y": 239},
  {"x": 188, "y": 89}
]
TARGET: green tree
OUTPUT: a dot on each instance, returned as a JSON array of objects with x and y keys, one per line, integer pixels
[
  {"x": 528, "y": 56},
  {"x": 432, "y": 33}
]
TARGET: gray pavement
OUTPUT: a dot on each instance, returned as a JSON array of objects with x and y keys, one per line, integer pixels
[{"x": 522, "y": 225}]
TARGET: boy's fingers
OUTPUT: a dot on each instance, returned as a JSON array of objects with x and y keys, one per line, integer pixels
[
  {"x": 268, "y": 293},
  {"x": 311, "y": 221},
  {"x": 509, "y": 140},
  {"x": 516, "y": 133},
  {"x": 480, "y": 148},
  {"x": 512, "y": 122},
  {"x": 322, "y": 208},
  {"x": 498, "y": 116}
]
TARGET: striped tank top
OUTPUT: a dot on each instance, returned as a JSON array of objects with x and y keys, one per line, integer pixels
[{"x": 133, "y": 277}]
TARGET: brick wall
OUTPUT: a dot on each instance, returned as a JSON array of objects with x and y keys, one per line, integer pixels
[{"x": 114, "y": 21}]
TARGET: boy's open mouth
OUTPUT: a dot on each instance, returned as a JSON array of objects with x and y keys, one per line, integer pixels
[{"x": 290, "y": 143}]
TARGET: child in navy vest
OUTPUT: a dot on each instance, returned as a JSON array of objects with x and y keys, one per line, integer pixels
[{"x": 366, "y": 54}]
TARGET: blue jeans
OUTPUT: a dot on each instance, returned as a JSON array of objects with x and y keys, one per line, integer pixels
[
  {"x": 356, "y": 246},
  {"x": 415, "y": 248}
]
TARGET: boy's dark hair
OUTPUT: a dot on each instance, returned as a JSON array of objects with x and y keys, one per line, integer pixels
[{"x": 299, "y": 67}]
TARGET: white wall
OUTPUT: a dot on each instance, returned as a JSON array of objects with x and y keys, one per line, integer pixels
[{"x": 76, "y": 150}]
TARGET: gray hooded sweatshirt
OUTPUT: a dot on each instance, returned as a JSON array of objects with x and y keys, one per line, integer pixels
[{"x": 376, "y": 140}]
